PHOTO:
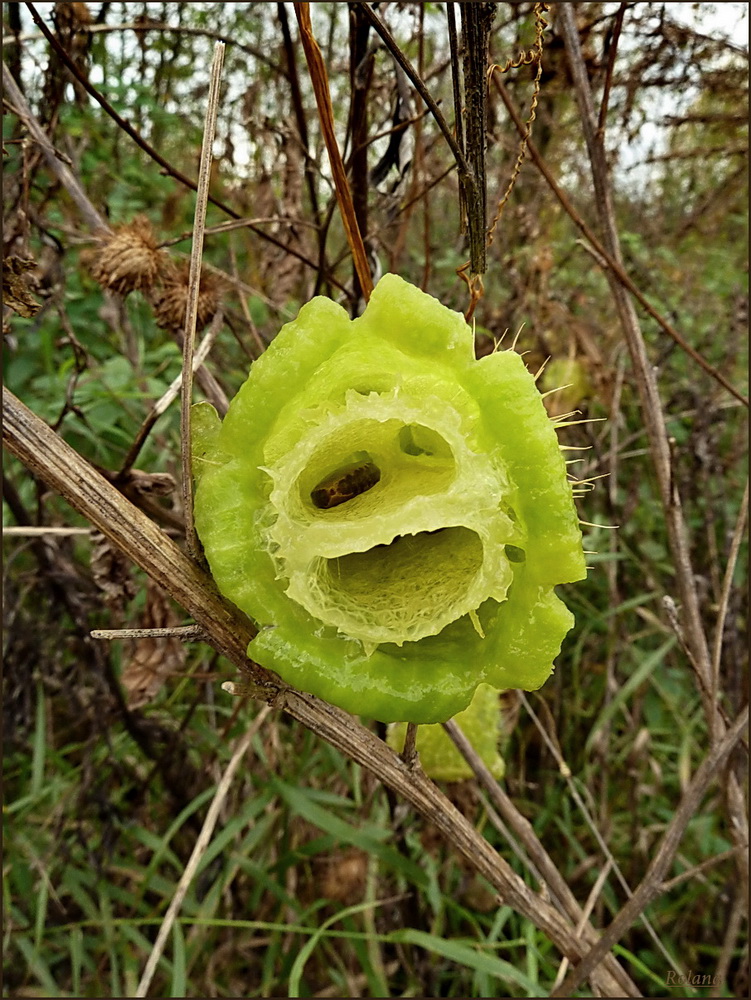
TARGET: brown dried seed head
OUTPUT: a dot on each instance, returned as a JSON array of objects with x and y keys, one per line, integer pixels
[
  {"x": 171, "y": 305},
  {"x": 129, "y": 259}
]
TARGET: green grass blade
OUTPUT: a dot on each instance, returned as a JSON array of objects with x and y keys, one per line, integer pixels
[
  {"x": 651, "y": 662},
  {"x": 464, "y": 954}
]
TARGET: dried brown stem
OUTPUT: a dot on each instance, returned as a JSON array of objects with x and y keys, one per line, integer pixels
[
  {"x": 143, "y": 28},
  {"x": 171, "y": 394},
  {"x": 390, "y": 42},
  {"x": 409, "y": 750},
  {"x": 299, "y": 111},
  {"x": 477, "y": 19},
  {"x": 612, "y": 50},
  {"x": 186, "y": 633},
  {"x": 360, "y": 72},
  {"x": 194, "y": 282},
  {"x": 319, "y": 79},
  {"x": 727, "y": 583},
  {"x": 456, "y": 84}
]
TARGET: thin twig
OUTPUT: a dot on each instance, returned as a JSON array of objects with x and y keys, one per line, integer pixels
[
  {"x": 150, "y": 151},
  {"x": 143, "y": 28},
  {"x": 299, "y": 110},
  {"x": 19, "y": 107},
  {"x": 589, "y": 905},
  {"x": 422, "y": 90},
  {"x": 729, "y": 942},
  {"x": 194, "y": 282},
  {"x": 163, "y": 403},
  {"x": 614, "y": 38},
  {"x": 232, "y": 224},
  {"x": 121, "y": 122},
  {"x": 186, "y": 633},
  {"x": 319, "y": 79},
  {"x": 650, "y": 886},
  {"x": 202, "y": 843},
  {"x": 727, "y": 585},
  {"x": 456, "y": 85},
  {"x": 695, "y": 870},
  {"x": 28, "y": 531}
]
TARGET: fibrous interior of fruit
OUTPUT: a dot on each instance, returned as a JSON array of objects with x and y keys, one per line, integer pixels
[{"x": 385, "y": 522}]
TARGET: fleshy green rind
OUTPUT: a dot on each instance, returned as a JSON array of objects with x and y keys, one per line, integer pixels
[
  {"x": 281, "y": 371},
  {"x": 406, "y": 345},
  {"x": 427, "y": 681},
  {"x": 439, "y": 757},
  {"x": 403, "y": 315},
  {"x": 388, "y": 686},
  {"x": 205, "y": 427},
  {"x": 527, "y": 636},
  {"x": 524, "y": 437}
]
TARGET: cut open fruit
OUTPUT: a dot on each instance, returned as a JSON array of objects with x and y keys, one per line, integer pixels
[{"x": 393, "y": 513}]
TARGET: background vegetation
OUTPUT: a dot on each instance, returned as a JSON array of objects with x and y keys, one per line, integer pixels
[{"x": 318, "y": 880}]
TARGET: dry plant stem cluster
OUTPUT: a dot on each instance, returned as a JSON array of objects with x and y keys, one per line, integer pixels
[
  {"x": 151, "y": 152},
  {"x": 604, "y": 259},
  {"x": 63, "y": 470},
  {"x": 697, "y": 646}
]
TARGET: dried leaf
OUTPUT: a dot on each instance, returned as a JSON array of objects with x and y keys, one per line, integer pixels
[
  {"x": 111, "y": 571},
  {"x": 155, "y": 484},
  {"x": 17, "y": 286},
  {"x": 343, "y": 880}
]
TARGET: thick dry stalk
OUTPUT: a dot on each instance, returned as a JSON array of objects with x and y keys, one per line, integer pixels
[
  {"x": 53, "y": 461},
  {"x": 360, "y": 74}
]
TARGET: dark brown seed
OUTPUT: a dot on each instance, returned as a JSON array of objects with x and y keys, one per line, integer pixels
[{"x": 344, "y": 485}]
